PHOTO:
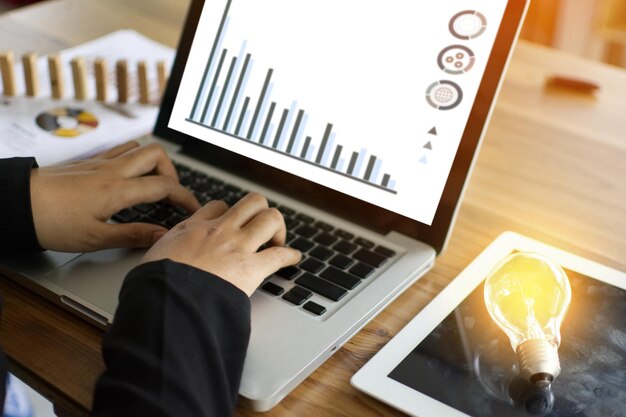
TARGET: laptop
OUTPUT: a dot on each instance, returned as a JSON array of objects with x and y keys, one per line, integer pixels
[{"x": 361, "y": 124}]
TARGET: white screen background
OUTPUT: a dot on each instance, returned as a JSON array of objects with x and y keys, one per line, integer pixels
[{"x": 364, "y": 67}]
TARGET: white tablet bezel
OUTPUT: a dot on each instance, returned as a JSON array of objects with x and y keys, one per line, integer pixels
[{"x": 372, "y": 377}]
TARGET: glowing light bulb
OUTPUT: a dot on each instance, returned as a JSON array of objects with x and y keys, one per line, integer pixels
[{"x": 527, "y": 296}]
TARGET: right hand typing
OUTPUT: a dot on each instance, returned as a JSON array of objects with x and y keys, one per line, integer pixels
[{"x": 225, "y": 242}]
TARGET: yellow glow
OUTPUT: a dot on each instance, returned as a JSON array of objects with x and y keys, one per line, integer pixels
[{"x": 527, "y": 295}]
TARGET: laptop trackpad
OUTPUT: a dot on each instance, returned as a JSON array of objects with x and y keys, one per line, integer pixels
[
  {"x": 96, "y": 278},
  {"x": 35, "y": 265}
]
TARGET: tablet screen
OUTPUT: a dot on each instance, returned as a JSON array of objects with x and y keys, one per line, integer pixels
[{"x": 467, "y": 362}]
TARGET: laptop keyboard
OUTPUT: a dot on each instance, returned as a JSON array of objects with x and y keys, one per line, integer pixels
[{"x": 334, "y": 261}]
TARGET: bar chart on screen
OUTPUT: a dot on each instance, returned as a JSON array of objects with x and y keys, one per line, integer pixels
[
  {"x": 368, "y": 100},
  {"x": 238, "y": 96}
]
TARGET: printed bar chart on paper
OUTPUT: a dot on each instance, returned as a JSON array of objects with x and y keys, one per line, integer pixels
[{"x": 228, "y": 102}]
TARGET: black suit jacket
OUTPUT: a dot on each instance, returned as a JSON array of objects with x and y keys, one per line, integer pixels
[{"x": 179, "y": 337}]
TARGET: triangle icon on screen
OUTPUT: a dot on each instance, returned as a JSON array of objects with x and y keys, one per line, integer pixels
[
  {"x": 428, "y": 146},
  {"x": 433, "y": 131},
  {"x": 423, "y": 160}
]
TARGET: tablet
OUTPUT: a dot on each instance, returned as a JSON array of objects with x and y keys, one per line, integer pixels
[{"x": 452, "y": 359}]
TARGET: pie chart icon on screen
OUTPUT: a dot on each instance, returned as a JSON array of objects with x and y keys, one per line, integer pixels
[{"x": 468, "y": 24}]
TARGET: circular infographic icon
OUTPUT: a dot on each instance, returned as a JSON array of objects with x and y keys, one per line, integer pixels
[
  {"x": 456, "y": 59},
  {"x": 468, "y": 24},
  {"x": 444, "y": 95},
  {"x": 67, "y": 122}
]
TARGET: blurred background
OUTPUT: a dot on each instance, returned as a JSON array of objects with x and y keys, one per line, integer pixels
[{"x": 594, "y": 29}]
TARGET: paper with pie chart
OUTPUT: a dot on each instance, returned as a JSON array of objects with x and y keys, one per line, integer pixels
[
  {"x": 61, "y": 130},
  {"x": 370, "y": 102}
]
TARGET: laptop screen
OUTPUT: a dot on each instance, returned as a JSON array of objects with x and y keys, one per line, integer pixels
[{"x": 370, "y": 99}]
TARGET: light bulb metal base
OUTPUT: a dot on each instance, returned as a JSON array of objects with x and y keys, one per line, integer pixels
[{"x": 538, "y": 359}]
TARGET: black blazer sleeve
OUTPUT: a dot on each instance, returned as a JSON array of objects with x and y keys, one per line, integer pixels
[
  {"x": 17, "y": 230},
  {"x": 176, "y": 346}
]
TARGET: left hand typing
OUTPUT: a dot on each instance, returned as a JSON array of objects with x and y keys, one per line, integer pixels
[{"x": 71, "y": 203}]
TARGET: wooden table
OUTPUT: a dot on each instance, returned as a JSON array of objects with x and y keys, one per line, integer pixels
[{"x": 553, "y": 167}]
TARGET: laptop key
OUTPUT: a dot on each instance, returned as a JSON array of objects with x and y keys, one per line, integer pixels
[
  {"x": 144, "y": 208},
  {"x": 160, "y": 214},
  {"x": 232, "y": 188},
  {"x": 181, "y": 211},
  {"x": 202, "y": 187},
  {"x": 341, "y": 261},
  {"x": 324, "y": 226},
  {"x": 272, "y": 288},
  {"x": 218, "y": 194},
  {"x": 302, "y": 244},
  {"x": 369, "y": 257},
  {"x": 345, "y": 247},
  {"x": 297, "y": 295},
  {"x": 341, "y": 278},
  {"x": 174, "y": 220},
  {"x": 186, "y": 181},
  {"x": 215, "y": 181},
  {"x": 287, "y": 211},
  {"x": 126, "y": 216},
  {"x": 344, "y": 235},
  {"x": 290, "y": 237},
  {"x": 361, "y": 270},
  {"x": 312, "y": 265},
  {"x": 321, "y": 253},
  {"x": 325, "y": 239},
  {"x": 305, "y": 218},
  {"x": 289, "y": 272},
  {"x": 291, "y": 223},
  {"x": 384, "y": 251},
  {"x": 230, "y": 199},
  {"x": 306, "y": 231},
  {"x": 314, "y": 308},
  {"x": 364, "y": 242},
  {"x": 181, "y": 169},
  {"x": 198, "y": 194},
  {"x": 322, "y": 287}
]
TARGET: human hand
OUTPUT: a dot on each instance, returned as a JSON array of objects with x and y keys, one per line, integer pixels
[
  {"x": 225, "y": 241},
  {"x": 71, "y": 203}
]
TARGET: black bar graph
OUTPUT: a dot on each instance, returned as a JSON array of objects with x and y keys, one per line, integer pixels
[
  {"x": 370, "y": 168},
  {"x": 355, "y": 157},
  {"x": 207, "y": 68},
  {"x": 333, "y": 165},
  {"x": 294, "y": 133},
  {"x": 243, "y": 115},
  {"x": 214, "y": 84},
  {"x": 267, "y": 123},
  {"x": 224, "y": 90},
  {"x": 237, "y": 91},
  {"x": 229, "y": 103},
  {"x": 260, "y": 102},
  {"x": 386, "y": 179},
  {"x": 281, "y": 126},
  {"x": 305, "y": 148}
]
